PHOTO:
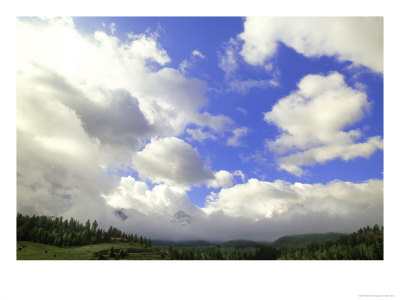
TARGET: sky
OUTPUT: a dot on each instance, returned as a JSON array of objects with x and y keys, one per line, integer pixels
[{"x": 254, "y": 127}]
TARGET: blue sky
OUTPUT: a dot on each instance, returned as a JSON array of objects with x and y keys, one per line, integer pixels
[{"x": 244, "y": 119}]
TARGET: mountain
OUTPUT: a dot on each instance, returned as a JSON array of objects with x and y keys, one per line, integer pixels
[
  {"x": 181, "y": 217},
  {"x": 121, "y": 214}
]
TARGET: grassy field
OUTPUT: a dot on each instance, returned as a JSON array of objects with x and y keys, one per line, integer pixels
[{"x": 36, "y": 251}]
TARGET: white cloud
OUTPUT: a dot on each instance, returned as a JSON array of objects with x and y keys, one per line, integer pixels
[
  {"x": 260, "y": 199},
  {"x": 113, "y": 28},
  {"x": 225, "y": 179},
  {"x": 190, "y": 62},
  {"x": 198, "y": 54},
  {"x": 145, "y": 47},
  {"x": 200, "y": 135},
  {"x": 160, "y": 200},
  {"x": 324, "y": 153},
  {"x": 243, "y": 86},
  {"x": 172, "y": 161},
  {"x": 184, "y": 66},
  {"x": 222, "y": 179},
  {"x": 218, "y": 123},
  {"x": 312, "y": 119},
  {"x": 240, "y": 174},
  {"x": 238, "y": 133},
  {"x": 227, "y": 60},
  {"x": 358, "y": 39}
]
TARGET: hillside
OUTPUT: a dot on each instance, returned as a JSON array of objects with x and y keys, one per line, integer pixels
[
  {"x": 301, "y": 240},
  {"x": 240, "y": 244}
]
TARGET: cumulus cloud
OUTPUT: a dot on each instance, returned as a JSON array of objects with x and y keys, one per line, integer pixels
[
  {"x": 238, "y": 133},
  {"x": 172, "y": 161},
  {"x": 160, "y": 200},
  {"x": 222, "y": 179},
  {"x": 85, "y": 104},
  {"x": 357, "y": 39},
  {"x": 312, "y": 119},
  {"x": 225, "y": 179}
]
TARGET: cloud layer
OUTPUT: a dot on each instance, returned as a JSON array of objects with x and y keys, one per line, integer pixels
[{"x": 259, "y": 210}]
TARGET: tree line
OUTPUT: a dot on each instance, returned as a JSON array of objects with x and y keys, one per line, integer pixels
[
  {"x": 364, "y": 244},
  {"x": 260, "y": 252},
  {"x": 63, "y": 232}
]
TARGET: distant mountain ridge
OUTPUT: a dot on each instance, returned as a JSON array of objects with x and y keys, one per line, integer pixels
[
  {"x": 289, "y": 241},
  {"x": 195, "y": 243},
  {"x": 286, "y": 241}
]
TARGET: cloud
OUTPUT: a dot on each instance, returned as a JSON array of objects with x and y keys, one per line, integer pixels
[
  {"x": 200, "y": 135},
  {"x": 225, "y": 179},
  {"x": 230, "y": 62},
  {"x": 189, "y": 63},
  {"x": 357, "y": 39},
  {"x": 85, "y": 105},
  {"x": 240, "y": 174},
  {"x": 222, "y": 179},
  {"x": 238, "y": 133},
  {"x": 321, "y": 154},
  {"x": 312, "y": 119},
  {"x": 227, "y": 59},
  {"x": 117, "y": 123},
  {"x": 257, "y": 156},
  {"x": 218, "y": 123},
  {"x": 172, "y": 161},
  {"x": 160, "y": 200},
  {"x": 198, "y": 54},
  {"x": 243, "y": 87},
  {"x": 256, "y": 210},
  {"x": 260, "y": 199},
  {"x": 113, "y": 28}
]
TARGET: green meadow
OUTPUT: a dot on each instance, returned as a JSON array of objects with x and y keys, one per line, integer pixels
[{"x": 37, "y": 251}]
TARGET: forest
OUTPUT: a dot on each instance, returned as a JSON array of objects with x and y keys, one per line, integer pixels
[
  {"x": 63, "y": 233},
  {"x": 366, "y": 243},
  {"x": 69, "y": 234}
]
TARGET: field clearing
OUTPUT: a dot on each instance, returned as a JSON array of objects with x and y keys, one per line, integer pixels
[{"x": 37, "y": 251}]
